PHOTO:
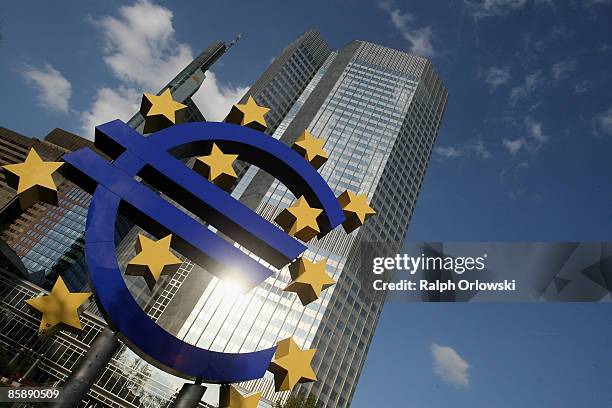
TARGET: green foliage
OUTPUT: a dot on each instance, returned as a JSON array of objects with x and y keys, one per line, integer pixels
[{"x": 298, "y": 401}]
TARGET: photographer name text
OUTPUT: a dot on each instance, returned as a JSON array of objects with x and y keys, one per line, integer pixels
[{"x": 445, "y": 286}]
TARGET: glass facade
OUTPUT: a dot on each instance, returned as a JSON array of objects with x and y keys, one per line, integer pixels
[
  {"x": 403, "y": 103},
  {"x": 13, "y": 149},
  {"x": 50, "y": 240},
  {"x": 57, "y": 231},
  {"x": 47, "y": 239},
  {"x": 290, "y": 73}
]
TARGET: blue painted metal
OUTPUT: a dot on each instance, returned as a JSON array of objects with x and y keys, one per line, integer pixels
[
  {"x": 155, "y": 160},
  {"x": 161, "y": 218},
  {"x": 259, "y": 149},
  {"x": 151, "y": 342},
  {"x": 206, "y": 200}
]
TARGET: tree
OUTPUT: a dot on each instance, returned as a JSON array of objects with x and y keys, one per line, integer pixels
[{"x": 298, "y": 401}]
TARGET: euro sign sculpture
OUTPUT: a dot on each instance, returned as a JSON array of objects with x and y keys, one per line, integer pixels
[
  {"x": 148, "y": 182},
  {"x": 157, "y": 160}
]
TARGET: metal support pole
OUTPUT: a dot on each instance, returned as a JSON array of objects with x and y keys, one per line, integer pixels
[
  {"x": 224, "y": 396},
  {"x": 189, "y": 396},
  {"x": 29, "y": 370},
  {"x": 88, "y": 369},
  {"x": 16, "y": 356}
]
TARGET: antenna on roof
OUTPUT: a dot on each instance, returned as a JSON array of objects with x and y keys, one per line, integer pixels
[{"x": 234, "y": 41}]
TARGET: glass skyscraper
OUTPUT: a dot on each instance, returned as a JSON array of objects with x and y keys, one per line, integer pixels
[{"x": 379, "y": 110}]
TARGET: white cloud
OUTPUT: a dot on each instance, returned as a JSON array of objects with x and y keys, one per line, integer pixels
[
  {"x": 535, "y": 139},
  {"x": 514, "y": 146},
  {"x": 215, "y": 100},
  {"x": 535, "y": 130},
  {"x": 489, "y": 8},
  {"x": 448, "y": 152},
  {"x": 53, "y": 89},
  {"x": 515, "y": 195},
  {"x": 143, "y": 54},
  {"x": 562, "y": 69},
  {"x": 140, "y": 47},
  {"x": 605, "y": 121},
  {"x": 420, "y": 39},
  {"x": 582, "y": 87},
  {"x": 531, "y": 82},
  {"x": 497, "y": 76},
  {"x": 471, "y": 148},
  {"x": 535, "y": 45},
  {"x": 535, "y": 106},
  {"x": 109, "y": 105},
  {"x": 449, "y": 366},
  {"x": 522, "y": 165},
  {"x": 480, "y": 150}
]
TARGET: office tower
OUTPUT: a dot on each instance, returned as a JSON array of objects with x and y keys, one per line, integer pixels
[
  {"x": 379, "y": 111},
  {"x": 21, "y": 231},
  {"x": 14, "y": 148},
  {"x": 49, "y": 239},
  {"x": 288, "y": 75}
]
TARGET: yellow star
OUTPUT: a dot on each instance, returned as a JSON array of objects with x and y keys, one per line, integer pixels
[
  {"x": 60, "y": 307},
  {"x": 217, "y": 167},
  {"x": 300, "y": 220},
  {"x": 33, "y": 180},
  {"x": 356, "y": 210},
  {"x": 309, "y": 279},
  {"x": 311, "y": 148},
  {"x": 153, "y": 259},
  {"x": 291, "y": 365},
  {"x": 161, "y": 111},
  {"x": 237, "y": 400},
  {"x": 248, "y": 114}
]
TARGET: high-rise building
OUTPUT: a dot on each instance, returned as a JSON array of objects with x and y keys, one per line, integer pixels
[
  {"x": 49, "y": 239},
  {"x": 14, "y": 148},
  {"x": 22, "y": 231},
  {"x": 288, "y": 75},
  {"x": 379, "y": 110}
]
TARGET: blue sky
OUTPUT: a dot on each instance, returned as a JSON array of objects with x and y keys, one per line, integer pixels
[{"x": 523, "y": 154}]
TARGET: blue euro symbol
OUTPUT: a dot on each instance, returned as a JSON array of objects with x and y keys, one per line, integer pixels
[{"x": 157, "y": 161}]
